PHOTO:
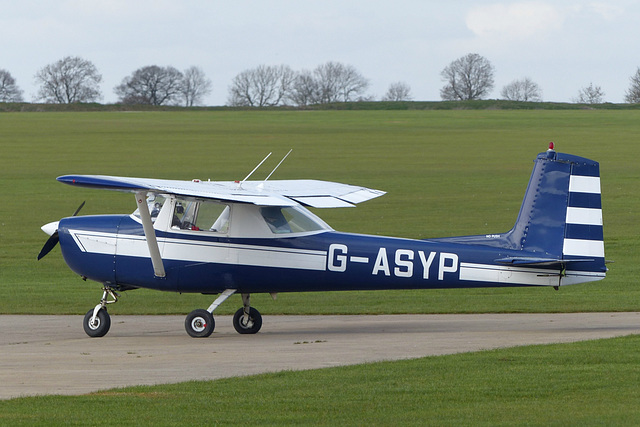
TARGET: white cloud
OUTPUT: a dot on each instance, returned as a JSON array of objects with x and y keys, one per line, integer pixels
[
  {"x": 514, "y": 20},
  {"x": 607, "y": 11}
]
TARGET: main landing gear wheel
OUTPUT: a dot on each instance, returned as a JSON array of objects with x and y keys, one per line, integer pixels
[
  {"x": 250, "y": 324},
  {"x": 199, "y": 323},
  {"x": 99, "y": 326}
]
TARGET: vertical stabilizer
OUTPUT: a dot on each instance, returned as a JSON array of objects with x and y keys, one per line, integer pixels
[{"x": 561, "y": 215}]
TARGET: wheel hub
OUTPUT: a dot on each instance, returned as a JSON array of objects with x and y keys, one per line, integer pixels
[
  {"x": 198, "y": 324},
  {"x": 94, "y": 324}
]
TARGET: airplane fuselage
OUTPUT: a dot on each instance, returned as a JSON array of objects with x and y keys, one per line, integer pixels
[{"x": 112, "y": 249}]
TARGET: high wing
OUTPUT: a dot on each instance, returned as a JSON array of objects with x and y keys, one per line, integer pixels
[{"x": 314, "y": 193}]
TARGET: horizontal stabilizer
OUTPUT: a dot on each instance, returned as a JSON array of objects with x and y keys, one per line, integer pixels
[{"x": 533, "y": 261}]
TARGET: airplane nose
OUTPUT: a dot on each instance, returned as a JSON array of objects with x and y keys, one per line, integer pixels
[{"x": 50, "y": 228}]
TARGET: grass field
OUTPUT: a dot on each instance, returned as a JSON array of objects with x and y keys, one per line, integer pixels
[
  {"x": 446, "y": 173},
  {"x": 587, "y": 383}
]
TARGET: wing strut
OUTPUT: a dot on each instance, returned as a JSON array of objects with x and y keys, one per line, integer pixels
[{"x": 150, "y": 234}]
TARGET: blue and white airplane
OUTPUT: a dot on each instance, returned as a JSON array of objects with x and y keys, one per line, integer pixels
[{"x": 257, "y": 236}]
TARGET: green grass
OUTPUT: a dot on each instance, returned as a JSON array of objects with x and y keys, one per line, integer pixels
[
  {"x": 585, "y": 383},
  {"x": 483, "y": 104},
  {"x": 446, "y": 173}
]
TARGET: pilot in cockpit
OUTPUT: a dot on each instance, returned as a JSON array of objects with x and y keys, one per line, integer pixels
[{"x": 275, "y": 219}]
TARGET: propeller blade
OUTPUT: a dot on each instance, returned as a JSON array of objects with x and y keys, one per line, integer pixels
[
  {"x": 49, "y": 244},
  {"x": 51, "y": 229},
  {"x": 78, "y": 210}
]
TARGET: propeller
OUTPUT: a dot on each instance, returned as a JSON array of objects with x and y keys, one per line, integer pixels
[{"x": 52, "y": 230}]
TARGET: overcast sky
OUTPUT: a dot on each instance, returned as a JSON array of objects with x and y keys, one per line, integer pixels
[{"x": 562, "y": 45}]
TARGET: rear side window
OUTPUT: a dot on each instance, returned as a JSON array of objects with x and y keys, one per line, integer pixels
[{"x": 291, "y": 220}]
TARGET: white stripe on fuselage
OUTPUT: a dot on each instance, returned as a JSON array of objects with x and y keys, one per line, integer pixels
[
  {"x": 201, "y": 251},
  {"x": 508, "y": 274},
  {"x": 305, "y": 259},
  {"x": 524, "y": 276},
  {"x": 95, "y": 241}
]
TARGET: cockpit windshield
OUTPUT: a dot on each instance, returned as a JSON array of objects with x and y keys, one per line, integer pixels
[{"x": 155, "y": 203}]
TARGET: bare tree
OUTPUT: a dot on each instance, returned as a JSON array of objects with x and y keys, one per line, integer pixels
[
  {"x": 468, "y": 77},
  {"x": 195, "y": 85},
  {"x": 270, "y": 86},
  {"x": 338, "y": 83},
  {"x": 398, "y": 91},
  {"x": 305, "y": 89},
  {"x": 633, "y": 94},
  {"x": 9, "y": 90},
  {"x": 263, "y": 86},
  {"x": 152, "y": 85},
  {"x": 71, "y": 79},
  {"x": 326, "y": 77},
  {"x": 522, "y": 90},
  {"x": 590, "y": 95}
]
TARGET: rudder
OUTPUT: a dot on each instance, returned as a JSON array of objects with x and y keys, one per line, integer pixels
[{"x": 561, "y": 215}]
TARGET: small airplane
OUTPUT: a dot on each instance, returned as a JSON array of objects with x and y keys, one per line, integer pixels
[{"x": 245, "y": 237}]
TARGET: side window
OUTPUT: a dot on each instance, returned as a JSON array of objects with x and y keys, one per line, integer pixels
[
  {"x": 275, "y": 219},
  {"x": 201, "y": 216},
  {"x": 213, "y": 216},
  {"x": 183, "y": 214},
  {"x": 290, "y": 220}
]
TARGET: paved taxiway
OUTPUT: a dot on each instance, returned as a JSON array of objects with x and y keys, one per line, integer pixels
[{"x": 52, "y": 355}]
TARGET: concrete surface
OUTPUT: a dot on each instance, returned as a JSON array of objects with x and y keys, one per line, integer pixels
[{"x": 52, "y": 354}]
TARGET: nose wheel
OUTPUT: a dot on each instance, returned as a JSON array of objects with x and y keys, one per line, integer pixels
[
  {"x": 98, "y": 325},
  {"x": 97, "y": 321}
]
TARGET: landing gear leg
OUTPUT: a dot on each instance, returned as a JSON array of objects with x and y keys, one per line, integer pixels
[
  {"x": 97, "y": 321},
  {"x": 247, "y": 319}
]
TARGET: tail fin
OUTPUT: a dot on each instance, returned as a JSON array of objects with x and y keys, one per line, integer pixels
[{"x": 561, "y": 216}]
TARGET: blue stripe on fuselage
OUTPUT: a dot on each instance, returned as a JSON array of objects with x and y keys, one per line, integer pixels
[{"x": 332, "y": 261}]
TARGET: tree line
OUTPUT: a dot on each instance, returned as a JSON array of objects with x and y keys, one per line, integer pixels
[{"x": 73, "y": 80}]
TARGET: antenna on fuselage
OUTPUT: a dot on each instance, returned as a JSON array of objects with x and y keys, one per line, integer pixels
[
  {"x": 251, "y": 173},
  {"x": 278, "y": 165}
]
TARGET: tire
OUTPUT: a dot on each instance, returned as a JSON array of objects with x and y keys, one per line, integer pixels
[
  {"x": 254, "y": 324},
  {"x": 101, "y": 325},
  {"x": 199, "y": 323}
]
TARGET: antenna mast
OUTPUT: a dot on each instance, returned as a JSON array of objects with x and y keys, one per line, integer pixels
[
  {"x": 254, "y": 169},
  {"x": 278, "y": 165}
]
